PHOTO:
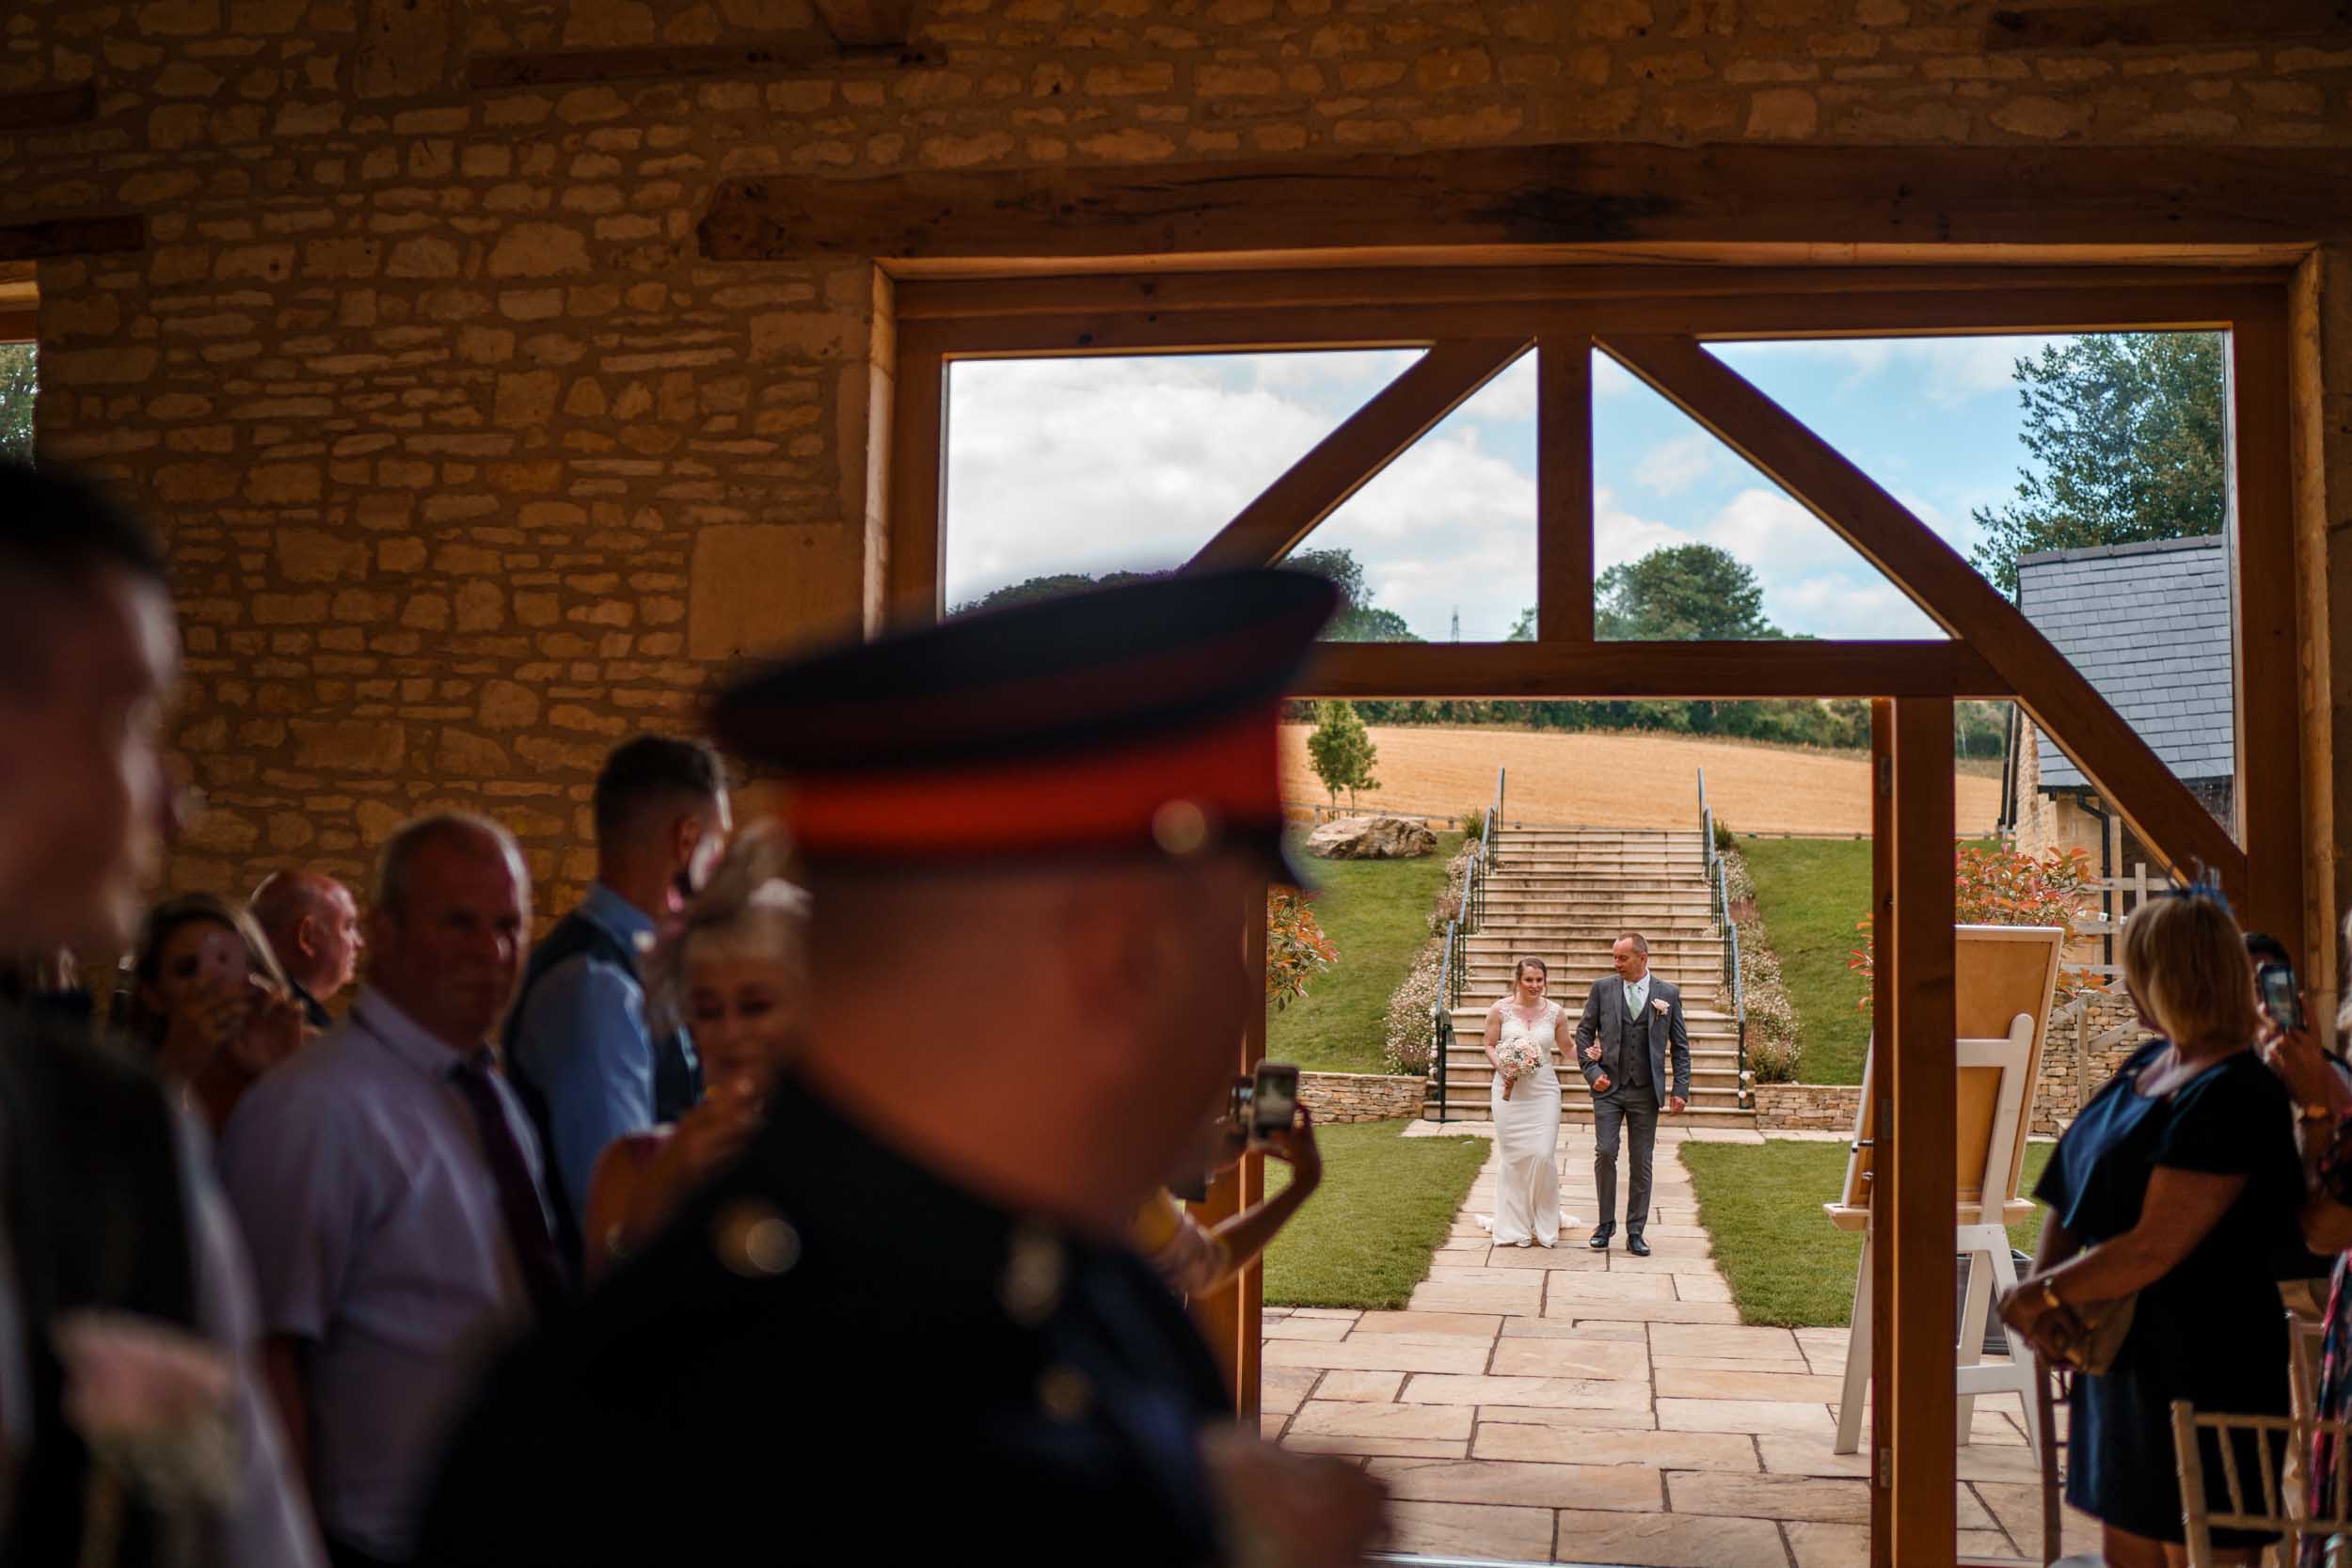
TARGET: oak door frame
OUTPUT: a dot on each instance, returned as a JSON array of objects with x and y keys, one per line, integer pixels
[{"x": 1473, "y": 319}]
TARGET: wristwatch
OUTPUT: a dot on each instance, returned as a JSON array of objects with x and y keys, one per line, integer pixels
[
  {"x": 2049, "y": 1290},
  {"x": 2318, "y": 1112}
]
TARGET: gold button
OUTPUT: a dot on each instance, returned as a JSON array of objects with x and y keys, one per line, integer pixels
[
  {"x": 754, "y": 1240},
  {"x": 1065, "y": 1393},
  {"x": 1180, "y": 827}
]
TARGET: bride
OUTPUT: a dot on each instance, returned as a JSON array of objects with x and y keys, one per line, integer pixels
[{"x": 1527, "y": 1112}]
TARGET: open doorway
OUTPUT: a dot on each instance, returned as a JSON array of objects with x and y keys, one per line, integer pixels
[{"x": 1383, "y": 491}]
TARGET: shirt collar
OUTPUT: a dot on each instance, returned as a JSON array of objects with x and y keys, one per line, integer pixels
[
  {"x": 624, "y": 920},
  {"x": 403, "y": 1036}
]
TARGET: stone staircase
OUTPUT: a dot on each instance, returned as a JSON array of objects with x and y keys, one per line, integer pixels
[{"x": 1564, "y": 894}]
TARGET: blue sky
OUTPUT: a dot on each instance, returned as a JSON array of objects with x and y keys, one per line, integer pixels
[{"x": 1094, "y": 464}]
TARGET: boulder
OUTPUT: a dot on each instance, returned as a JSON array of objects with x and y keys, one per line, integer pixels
[{"x": 1371, "y": 839}]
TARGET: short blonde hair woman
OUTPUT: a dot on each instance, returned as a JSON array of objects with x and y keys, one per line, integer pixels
[
  {"x": 2178, "y": 1186},
  {"x": 735, "y": 970}
]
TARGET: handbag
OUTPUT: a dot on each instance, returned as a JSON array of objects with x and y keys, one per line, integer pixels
[{"x": 2085, "y": 1335}]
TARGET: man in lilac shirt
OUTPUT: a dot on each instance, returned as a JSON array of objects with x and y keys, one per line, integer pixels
[
  {"x": 389, "y": 1186},
  {"x": 594, "y": 1058}
]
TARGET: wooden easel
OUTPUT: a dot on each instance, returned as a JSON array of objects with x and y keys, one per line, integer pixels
[{"x": 2004, "y": 980}]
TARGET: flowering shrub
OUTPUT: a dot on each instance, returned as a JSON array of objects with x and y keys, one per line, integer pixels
[
  {"x": 2006, "y": 887},
  {"x": 1405, "y": 1033},
  {"x": 1296, "y": 948},
  {"x": 1774, "y": 1051}
]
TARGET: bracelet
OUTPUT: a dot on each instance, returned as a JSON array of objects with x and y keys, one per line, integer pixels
[{"x": 2050, "y": 1296}]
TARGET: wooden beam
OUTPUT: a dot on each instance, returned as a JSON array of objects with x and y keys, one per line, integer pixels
[
  {"x": 112, "y": 234},
  {"x": 2171, "y": 25},
  {"x": 20, "y": 326},
  {"x": 2161, "y": 809},
  {"x": 1916, "y": 1452},
  {"x": 786, "y": 54},
  {"x": 1344, "y": 462},
  {"x": 1881, "y": 1087},
  {"x": 868, "y": 23},
  {"x": 49, "y": 109},
  {"x": 1563, "y": 488},
  {"x": 1663, "y": 669},
  {"x": 1570, "y": 193},
  {"x": 913, "y": 573},
  {"x": 2269, "y": 713}
]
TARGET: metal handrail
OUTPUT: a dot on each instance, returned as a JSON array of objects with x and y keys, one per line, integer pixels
[
  {"x": 1490, "y": 844},
  {"x": 1722, "y": 894},
  {"x": 1470, "y": 913}
]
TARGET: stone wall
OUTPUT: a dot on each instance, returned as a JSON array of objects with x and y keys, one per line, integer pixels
[
  {"x": 2081, "y": 1053},
  {"x": 470, "y": 464},
  {"x": 1808, "y": 1107},
  {"x": 1360, "y": 1096}
]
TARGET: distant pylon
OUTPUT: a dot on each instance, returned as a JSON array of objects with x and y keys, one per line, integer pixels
[{"x": 1457, "y": 623}]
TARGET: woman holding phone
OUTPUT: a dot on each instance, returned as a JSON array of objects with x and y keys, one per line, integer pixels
[{"x": 209, "y": 999}]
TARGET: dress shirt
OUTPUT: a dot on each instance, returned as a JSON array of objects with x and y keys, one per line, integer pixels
[
  {"x": 585, "y": 1041},
  {"x": 1637, "y": 995},
  {"x": 374, "y": 1218}
]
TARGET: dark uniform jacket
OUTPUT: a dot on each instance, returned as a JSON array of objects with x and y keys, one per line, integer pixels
[
  {"x": 834, "y": 1355},
  {"x": 91, "y": 1192},
  {"x": 1657, "y": 1034}
]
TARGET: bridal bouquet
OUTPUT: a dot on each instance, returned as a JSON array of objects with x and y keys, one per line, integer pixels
[{"x": 1518, "y": 1059}]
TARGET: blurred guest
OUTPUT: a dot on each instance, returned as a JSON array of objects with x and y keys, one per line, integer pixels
[
  {"x": 1030, "y": 841},
  {"x": 734, "y": 966},
  {"x": 110, "y": 1205},
  {"x": 312, "y": 924},
  {"x": 209, "y": 999},
  {"x": 2169, "y": 1193},
  {"x": 47, "y": 981},
  {"x": 1194, "y": 1258},
  {"x": 389, "y": 1186},
  {"x": 2326, "y": 1229},
  {"x": 592, "y": 1060}
]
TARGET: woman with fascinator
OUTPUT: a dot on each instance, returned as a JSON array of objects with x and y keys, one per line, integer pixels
[
  {"x": 733, "y": 965},
  {"x": 2169, "y": 1198}
]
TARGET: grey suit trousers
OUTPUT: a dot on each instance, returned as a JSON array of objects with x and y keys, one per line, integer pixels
[{"x": 1634, "y": 1111}]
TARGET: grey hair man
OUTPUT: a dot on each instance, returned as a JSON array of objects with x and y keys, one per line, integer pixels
[
  {"x": 312, "y": 924},
  {"x": 1631, "y": 1027},
  {"x": 392, "y": 1189},
  {"x": 112, "y": 1205}
]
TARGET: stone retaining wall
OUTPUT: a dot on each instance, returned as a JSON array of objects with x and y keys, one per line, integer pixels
[
  {"x": 1360, "y": 1096},
  {"x": 1806, "y": 1107}
]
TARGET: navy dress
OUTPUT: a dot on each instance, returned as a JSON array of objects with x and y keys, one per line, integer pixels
[{"x": 2212, "y": 1331}]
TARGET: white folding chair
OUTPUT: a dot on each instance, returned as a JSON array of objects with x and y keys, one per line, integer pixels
[{"x": 2260, "y": 1443}]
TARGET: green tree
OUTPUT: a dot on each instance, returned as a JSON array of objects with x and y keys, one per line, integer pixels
[
  {"x": 1358, "y": 619},
  {"x": 17, "y": 381},
  {"x": 1681, "y": 593},
  {"x": 1341, "y": 750},
  {"x": 1523, "y": 629},
  {"x": 2128, "y": 429},
  {"x": 1050, "y": 586}
]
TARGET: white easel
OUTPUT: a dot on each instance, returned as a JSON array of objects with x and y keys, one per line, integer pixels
[{"x": 1997, "y": 966}]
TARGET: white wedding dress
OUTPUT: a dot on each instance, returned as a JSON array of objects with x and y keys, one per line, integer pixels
[{"x": 1527, "y": 1130}]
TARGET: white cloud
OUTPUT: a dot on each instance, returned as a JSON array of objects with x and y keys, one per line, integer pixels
[
  {"x": 1944, "y": 371},
  {"x": 1675, "y": 464}
]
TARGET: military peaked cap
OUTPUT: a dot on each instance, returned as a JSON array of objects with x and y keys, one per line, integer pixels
[{"x": 1139, "y": 720}]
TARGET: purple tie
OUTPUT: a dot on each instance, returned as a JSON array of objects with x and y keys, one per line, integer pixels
[{"x": 542, "y": 1268}]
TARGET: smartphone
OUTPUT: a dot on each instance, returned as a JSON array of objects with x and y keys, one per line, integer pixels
[
  {"x": 2275, "y": 981},
  {"x": 1273, "y": 1099},
  {"x": 1238, "y": 1100}
]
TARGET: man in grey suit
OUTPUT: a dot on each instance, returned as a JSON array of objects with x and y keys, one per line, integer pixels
[{"x": 1622, "y": 1043}]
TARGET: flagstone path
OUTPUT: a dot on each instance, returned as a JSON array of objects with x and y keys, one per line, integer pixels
[{"x": 1577, "y": 1406}]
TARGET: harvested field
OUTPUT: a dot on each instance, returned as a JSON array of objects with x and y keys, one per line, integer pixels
[{"x": 1629, "y": 781}]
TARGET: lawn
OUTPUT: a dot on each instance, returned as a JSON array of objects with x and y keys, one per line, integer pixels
[
  {"x": 1387, "y": 1202},
  {"x": 1809, "y": 893},
  {"x": 1786, "y": 1264},
  {"x": 1377, "y": 913}
]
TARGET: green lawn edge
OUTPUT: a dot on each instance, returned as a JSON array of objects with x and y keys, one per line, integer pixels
[
  {"x": 1366, "y": 1237},
  {"x": 1787, "y": 1266},
  {"x": 1377, "y": 914},
  {"x": 1809, "y": 894}
]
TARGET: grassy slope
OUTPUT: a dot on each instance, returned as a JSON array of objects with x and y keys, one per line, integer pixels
[
  {"x": 1377, "y": 913},
  {"x": 1364, "y": 1240},
  {"x": 1786, "y": 1263},
  {"x": 1809, "y": 893}
]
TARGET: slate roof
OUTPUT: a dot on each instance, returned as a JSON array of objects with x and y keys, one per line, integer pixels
[{"x": 2149, "y": 625}]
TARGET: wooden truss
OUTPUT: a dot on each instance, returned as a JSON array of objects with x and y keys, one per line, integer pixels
[{"x": 1472, "y": 322}]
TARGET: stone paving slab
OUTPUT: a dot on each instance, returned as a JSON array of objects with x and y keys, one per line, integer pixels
[{"x": 1587, "y": 1406}]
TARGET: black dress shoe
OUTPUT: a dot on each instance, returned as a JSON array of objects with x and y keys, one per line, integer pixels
[
  {"x": 1600, "y": 1238},
  {"x": 1634, "y": 1244}
]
